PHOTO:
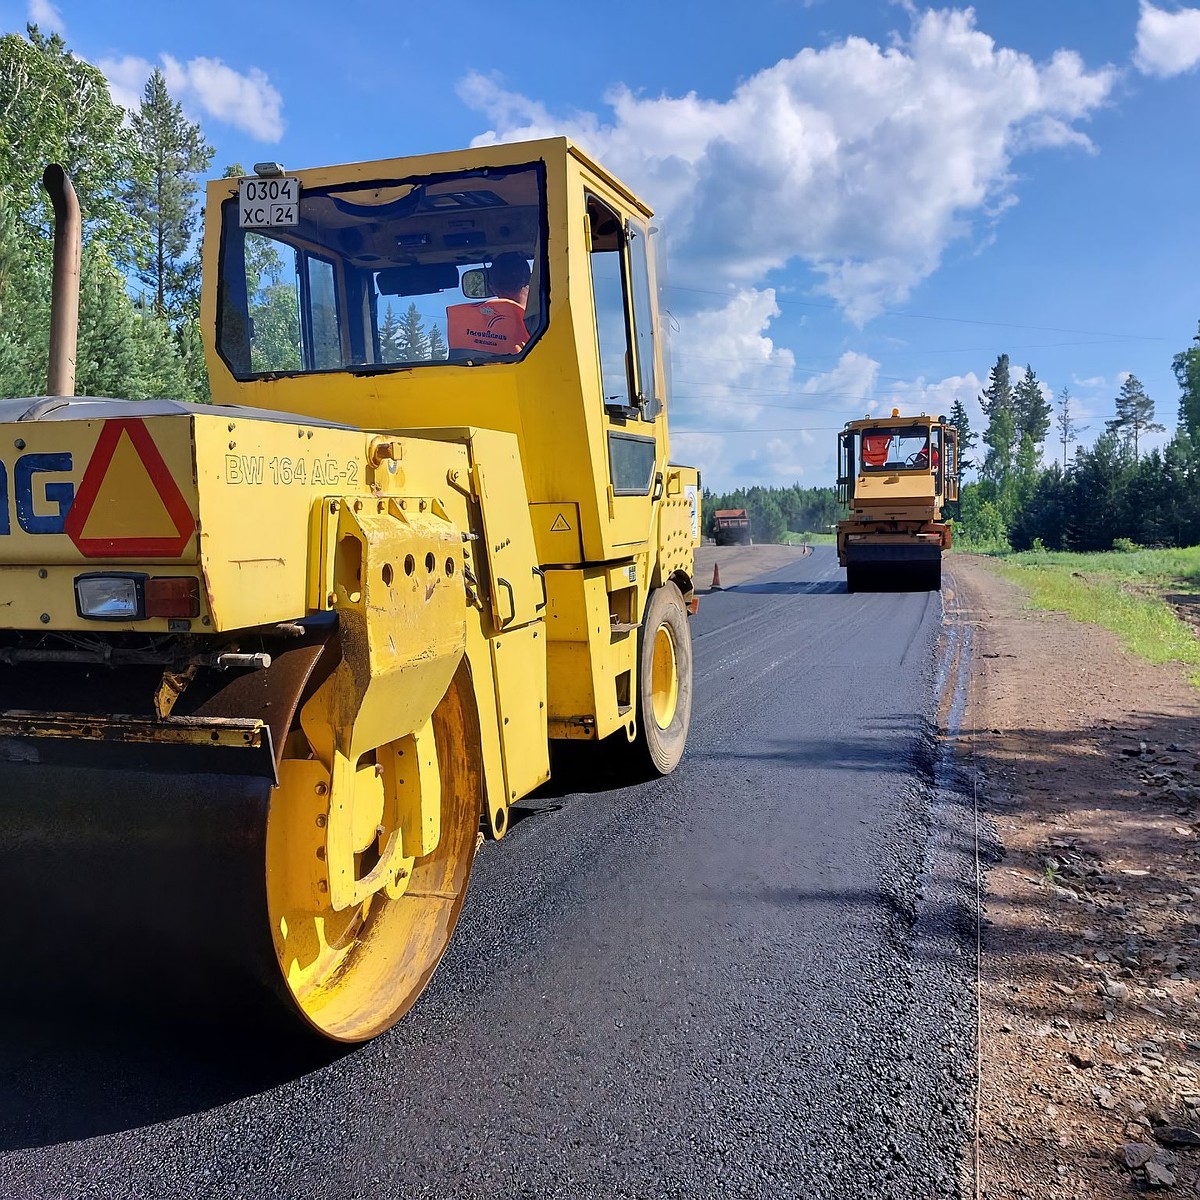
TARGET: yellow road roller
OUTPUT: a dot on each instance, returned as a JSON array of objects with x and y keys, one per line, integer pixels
[
  {"x": 269, "y": 666},
  {"x": 895, "y": 475}
]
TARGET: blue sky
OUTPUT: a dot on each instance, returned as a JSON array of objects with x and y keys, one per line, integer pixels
[{"x": 866, "y": 200}]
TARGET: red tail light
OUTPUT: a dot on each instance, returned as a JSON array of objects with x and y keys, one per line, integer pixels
[{"x": 173, "y": 596}]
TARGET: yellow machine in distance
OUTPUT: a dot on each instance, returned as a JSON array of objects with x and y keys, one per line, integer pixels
[
  {"x": 895, "y": 475},
  {"x": 267, "y": 663}
]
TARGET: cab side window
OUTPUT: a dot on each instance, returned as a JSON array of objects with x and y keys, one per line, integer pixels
[{"x": 608, "y": 295}]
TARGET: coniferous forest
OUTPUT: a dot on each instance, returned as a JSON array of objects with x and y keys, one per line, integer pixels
[{"x": 1025, "y": 482}]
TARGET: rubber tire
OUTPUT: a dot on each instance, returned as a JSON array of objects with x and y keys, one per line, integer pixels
[{"x": 660, "y": 748}]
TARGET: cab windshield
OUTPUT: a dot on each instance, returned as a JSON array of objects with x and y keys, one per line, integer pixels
[
  {"x": 895, "y": 449},
  {"x": 391, "y": 273}
]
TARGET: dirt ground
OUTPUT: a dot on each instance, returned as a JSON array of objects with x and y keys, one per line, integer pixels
[{"x": 1086, "y": 763}]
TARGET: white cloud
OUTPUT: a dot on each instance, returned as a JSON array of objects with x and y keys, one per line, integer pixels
[
  {"x": 937, "y": 398},
  {"x": 742, "y": 406},
  {"x": 205, "y": 86},
  {"x": 46, "y": 16},
  {"x": 863, "y": 162},
  {"x": 1168, "y": 43},
  {"x": 126, "y": 78}
]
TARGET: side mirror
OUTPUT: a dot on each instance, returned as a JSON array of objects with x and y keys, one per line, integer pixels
[{"x": 475, "y": 285}]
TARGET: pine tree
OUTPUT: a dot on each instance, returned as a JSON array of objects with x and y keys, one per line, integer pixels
[
  {"x": 1135, "y": 414},
  {"x": 162, "y": 373},
  {"x": 1068, "y": 428},
  {"x": 966, "y": 439},
  {"x": 1024, "y": 477},
  {"x": 24, "y": 309},
  {"x": 1186, "y": 366},
  {"x": 389, "y": 337},
  {"x": 437, "y": 344},
  {"x": 195, "y": 369},
  {"x": 1032, "y": 408},
  {"x": 168, "y": 203},
  {"x": 997, "y": 395},
  {"x": 108, "y": 362},
  {"x": 411, "y": 341},
  {"x": 1000, "y": 437}
]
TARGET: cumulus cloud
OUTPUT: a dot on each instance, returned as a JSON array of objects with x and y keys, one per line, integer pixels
[
  {"x": 205, "y": 86},
  {"x": 46, "y": 16},
  {"x": 1168, "y": 43},
  {"x": 863, "y": 162},
  {"x": 745, "y": 409}
]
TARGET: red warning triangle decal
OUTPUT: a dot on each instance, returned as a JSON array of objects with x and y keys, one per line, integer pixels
[{"x": 128, "y": 546}]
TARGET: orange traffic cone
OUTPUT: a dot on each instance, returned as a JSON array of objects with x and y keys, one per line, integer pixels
[{"x": 716, "y": 583}]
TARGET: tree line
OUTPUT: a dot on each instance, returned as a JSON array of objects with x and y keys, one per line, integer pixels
[
  {"x": 1032, "y": 492},
  {"x": 138, "y": 193},
  {"x": 138, "y": 184},
  {"x": 1034, "y": 485},
  {"x": 774, "y": 511}
]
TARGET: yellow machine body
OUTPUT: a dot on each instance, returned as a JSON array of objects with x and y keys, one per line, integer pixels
[
  {"x": 375, "y": 577},
  {"x": 895, "y": 475}
]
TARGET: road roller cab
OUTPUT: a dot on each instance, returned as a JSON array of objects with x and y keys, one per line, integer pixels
[
  {"x": 267, "y": 666},
  {"x": 895, "y": 475}
]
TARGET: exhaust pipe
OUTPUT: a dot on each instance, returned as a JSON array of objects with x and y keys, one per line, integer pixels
[{"x": 64, "y": 296}]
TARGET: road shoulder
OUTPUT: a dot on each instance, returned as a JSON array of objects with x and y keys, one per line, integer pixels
[{"x": 1087, "y": 765}]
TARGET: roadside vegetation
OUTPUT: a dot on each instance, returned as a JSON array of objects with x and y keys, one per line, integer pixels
[
  {"x": 1145, "y": 597},
  {"x": 811, "y": 538},
  {"x": 777, "y": 512},
  {"x": 136, "y": 175}
]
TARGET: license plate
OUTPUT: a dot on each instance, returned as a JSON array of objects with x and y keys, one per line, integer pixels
[{"x": 269, "y": 202}]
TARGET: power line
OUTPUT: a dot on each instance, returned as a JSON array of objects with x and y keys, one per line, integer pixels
[
  {"x": 916, "y": 316},
  {"x": 759, "y": 365}
]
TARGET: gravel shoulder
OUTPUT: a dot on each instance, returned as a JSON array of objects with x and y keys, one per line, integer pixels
[{"x": 1086, "y": 764}]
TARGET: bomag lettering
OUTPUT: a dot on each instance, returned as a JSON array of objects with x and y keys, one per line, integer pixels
[{"x": 30, "y": 496}]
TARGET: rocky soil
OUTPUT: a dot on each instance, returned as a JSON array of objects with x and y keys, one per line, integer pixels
[{"x": 1086, "y": 764}]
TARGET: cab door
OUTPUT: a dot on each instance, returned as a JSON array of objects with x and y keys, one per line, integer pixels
[
  {"x": 950, "y": 461},
  {"x": 622, "y": 293},
  {"x": 846, "y": 467}
]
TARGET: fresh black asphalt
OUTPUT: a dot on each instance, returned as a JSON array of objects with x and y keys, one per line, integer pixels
[{"x": 750, "y": 978}]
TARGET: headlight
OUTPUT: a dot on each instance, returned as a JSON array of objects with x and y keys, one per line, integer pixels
[{"x": 110, "y": 597}]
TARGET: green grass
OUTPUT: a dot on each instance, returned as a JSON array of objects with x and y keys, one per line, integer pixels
[
  {"x": 1119, "y": 591},
  {"x": 813, "y": 539},
  {"x": 1175, "y": 569}
]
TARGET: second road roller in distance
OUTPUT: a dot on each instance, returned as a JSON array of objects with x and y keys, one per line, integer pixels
[
  {"x": 895, "y": 475},
  {"x": 266, "y": 665}
]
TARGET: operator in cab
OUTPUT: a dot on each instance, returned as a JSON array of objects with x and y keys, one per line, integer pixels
[{"x": 493, "y": 326}]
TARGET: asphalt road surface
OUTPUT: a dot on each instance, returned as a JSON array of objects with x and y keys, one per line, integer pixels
[{"x": 751, "y": 978}]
